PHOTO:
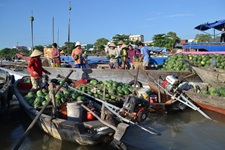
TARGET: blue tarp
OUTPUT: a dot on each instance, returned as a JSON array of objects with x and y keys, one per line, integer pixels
[{"x": 215, "y": 25}]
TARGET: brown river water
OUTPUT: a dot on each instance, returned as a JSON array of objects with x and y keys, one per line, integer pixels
[{"x": 187, "y": 130}]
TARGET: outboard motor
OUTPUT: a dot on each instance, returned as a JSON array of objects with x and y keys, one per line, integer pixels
[
  {"x": 171, "y": 83},
  {"x": 135, "y": 108}
]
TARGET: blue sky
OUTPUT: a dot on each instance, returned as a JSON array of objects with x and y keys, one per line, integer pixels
[{"x": 93, "y": 19}]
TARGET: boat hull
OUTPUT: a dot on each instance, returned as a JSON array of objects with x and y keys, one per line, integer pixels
[
  {"x": 212, "y": 103},
  {"x": 6, "y": 91},
  {"x": 117, "y": 75},
  {"x": 62, "y": 129},
  {"x": 214, "y": 77}
]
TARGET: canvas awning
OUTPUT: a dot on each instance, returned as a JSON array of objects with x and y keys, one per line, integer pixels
[{"x": 219, "y": 24}]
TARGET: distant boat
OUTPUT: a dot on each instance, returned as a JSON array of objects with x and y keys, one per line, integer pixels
[{"x": 6, "y": 91}]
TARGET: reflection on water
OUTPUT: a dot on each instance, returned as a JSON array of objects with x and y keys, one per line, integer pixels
[{"x": 180, "y": 131}]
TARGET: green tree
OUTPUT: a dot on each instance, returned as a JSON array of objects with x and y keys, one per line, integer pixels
[
  {"x": 121, "y": 37},
  {"x": 168, "y": 40},
  {"x": 100, "y": 44},
  {"x": 203, "y": 38},
  {"x": 39, "y": 47},
  {"x": 68, "y": 47}
]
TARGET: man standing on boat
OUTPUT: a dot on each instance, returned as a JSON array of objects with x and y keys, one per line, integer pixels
[
  {"x": 144, "y": 55},
  {"x": 35, "y": 68},
  {"x": 222, "y": 38},
  {"x": 76, "y": 55}
]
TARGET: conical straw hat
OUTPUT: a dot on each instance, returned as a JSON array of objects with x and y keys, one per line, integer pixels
[
  {"x": 112, "y": 45},
  {"x": 124, "y": 46},
  {"x": 36, "y": 53}
]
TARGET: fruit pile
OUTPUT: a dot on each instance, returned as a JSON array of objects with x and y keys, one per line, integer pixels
[
  {"x": 39, "y": 98},
  {"x": 175, "y": 62},
  {"x": 112, "y": 88},
  {"x": 215, "y": 92}
]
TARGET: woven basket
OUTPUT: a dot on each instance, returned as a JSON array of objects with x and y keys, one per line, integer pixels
[{"x": 136, "y": 64}]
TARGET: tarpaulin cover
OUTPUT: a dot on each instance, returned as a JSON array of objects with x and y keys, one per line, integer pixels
[{"x": 219, "y": 24}]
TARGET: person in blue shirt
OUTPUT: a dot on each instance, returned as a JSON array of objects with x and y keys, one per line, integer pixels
[{"x": 144, "y": 55}]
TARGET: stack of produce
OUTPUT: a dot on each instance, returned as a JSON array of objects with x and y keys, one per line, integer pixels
[
  {"x": 215, "y": 92},
  {"x": 39, "y": 98},
  {"x": 175, "y": 62},
  {"x": 112, "y": 88}
]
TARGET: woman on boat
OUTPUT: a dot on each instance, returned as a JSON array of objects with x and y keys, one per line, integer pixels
[
  {"x": 76, "y": 55},
  {"x": 132, "y": 53},
  {"x": 35, "y": 68},
  {"x": 113, "y": 54},
  {"x": 55, "y": 56}
]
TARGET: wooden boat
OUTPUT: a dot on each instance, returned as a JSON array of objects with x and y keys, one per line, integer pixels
[
  {"x": 208, "y": 102},
  {"x": 215, "y": 77},
  {"x": 125, "y": 76},
  {"x": 6, "y": 89},
  {"x": 82, "y": 132}
]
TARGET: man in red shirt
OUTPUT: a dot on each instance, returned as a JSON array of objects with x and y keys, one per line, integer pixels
[{"x": 35, "y": 69}]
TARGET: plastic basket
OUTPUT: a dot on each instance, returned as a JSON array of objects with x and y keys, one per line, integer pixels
[{"x": 137, "y": 64}]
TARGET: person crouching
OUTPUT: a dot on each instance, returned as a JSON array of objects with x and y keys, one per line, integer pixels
[{"x": 35, "y": 68}]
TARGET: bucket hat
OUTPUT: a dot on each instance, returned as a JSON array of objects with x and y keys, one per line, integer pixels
[
  {"x": 77, "y": 44},
  {"x": 36, "y": 53}
]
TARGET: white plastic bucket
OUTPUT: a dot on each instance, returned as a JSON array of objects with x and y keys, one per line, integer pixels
[{"x": 74, "y": 111}]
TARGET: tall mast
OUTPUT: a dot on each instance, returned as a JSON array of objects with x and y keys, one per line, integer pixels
[
  {"x": 69, "y": 8},
  {"x": 32, "y": 35},
  {"x": 53, "y": 40}
]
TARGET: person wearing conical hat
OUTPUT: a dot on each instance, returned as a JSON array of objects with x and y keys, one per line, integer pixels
[
  {"x": 123, "y": 55},
  {"x": 119, "y": 48},
  {"x": 76, "y": 55},
  {"x": 35, "y": 68},
  {"x": 62, "y": 53},
  {"x": 113, "y": 55}
]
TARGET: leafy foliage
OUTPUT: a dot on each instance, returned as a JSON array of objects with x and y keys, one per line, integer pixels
[
  {"x": 168, "y": 40},
  {"x": 68, "y": 47},
  {"x": 39, "y": 47},
  {"x": 121, "y": 37},
  {"x": 203, "y": 38},
  {"x": 100, "y": 44}
]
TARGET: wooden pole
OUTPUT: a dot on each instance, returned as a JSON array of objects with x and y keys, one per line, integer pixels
[{"x": 53, "y": 40}]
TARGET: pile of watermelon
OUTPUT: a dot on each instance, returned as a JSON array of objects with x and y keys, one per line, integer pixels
[
  {"x": 39, "y": 98},
  {"x": 215, "y": 92},
  {"x": 175, "y": 62},
  {"x": 112, "y": 88}
]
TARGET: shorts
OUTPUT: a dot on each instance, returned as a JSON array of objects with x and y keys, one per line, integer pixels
[
  {"x": 80, "y": 66},
  {"x": 113, "y": 65},
  {"x": 36, "y": 83},
  {"x": 145, "y": 63},
  {"x": 55, "y": 64}
]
